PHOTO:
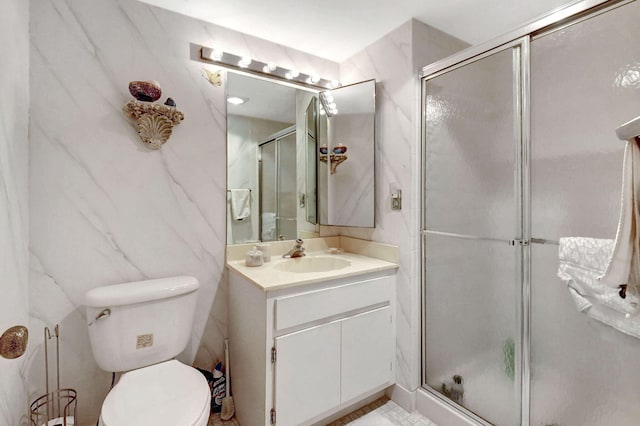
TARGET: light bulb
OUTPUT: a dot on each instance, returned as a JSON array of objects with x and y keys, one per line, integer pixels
[
  {"x": 244, "y": 62},
  {"x": 216, "y": 54}
]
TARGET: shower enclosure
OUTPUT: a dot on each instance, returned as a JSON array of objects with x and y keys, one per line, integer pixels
[
  {"x": 277, "y": 175},
  {"x": 519, "y": 150}
]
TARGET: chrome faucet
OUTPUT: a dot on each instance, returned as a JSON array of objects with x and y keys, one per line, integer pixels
[{"x": 296, "y": 251}]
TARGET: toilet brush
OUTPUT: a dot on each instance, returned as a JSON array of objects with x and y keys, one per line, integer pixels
[{"x": 228, "y": 408}]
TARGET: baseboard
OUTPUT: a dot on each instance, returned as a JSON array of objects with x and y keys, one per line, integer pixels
[
  {"x": 439, "y": 412},
  {"x": 403, "y": 397}
]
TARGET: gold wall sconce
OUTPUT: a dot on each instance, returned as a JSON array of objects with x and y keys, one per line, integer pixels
[{"x": 154, "y": 122}]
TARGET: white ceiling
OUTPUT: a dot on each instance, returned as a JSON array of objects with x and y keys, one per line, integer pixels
[{"x": 336, "y": 29}]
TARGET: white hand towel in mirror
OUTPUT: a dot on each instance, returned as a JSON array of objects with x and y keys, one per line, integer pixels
[{"x": 240, "y": 203}]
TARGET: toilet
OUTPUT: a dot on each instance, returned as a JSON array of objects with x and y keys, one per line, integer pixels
[{"x": 137, "y": 328}]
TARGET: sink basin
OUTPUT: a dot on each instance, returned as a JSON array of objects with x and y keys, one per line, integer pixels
[{"x": 303, "y": 265}]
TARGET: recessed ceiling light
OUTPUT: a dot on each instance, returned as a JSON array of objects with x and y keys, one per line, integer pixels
[{"x": 236, "y": 100}]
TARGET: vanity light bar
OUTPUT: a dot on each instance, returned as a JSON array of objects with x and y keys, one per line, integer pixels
[
  {"x": 270, "y": 69},
  {"x": 327, "y": 104}
]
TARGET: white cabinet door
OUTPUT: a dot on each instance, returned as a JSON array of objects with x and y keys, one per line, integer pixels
[
  {"x": 307, "y": 374},
  {"x": 367, "y": 352}
]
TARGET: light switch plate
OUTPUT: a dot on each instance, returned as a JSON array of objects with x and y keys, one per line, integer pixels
[{"x": 396, "y": 200}]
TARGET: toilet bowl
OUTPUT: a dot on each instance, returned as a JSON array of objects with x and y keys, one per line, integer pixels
[
  {"x": 138, "y": 329},
  {"x": 165, "y": 394}
]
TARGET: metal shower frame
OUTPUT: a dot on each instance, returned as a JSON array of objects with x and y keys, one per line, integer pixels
[{"x": 519, "y": 39}]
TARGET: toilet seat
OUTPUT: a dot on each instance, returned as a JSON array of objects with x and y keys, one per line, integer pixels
[{"x": 165, "y": 394}]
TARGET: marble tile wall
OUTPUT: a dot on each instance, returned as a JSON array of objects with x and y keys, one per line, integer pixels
[
  {"x": 394, "y": 61},
  {"x": 351, "y": 186},
  {"x": 14, "y": 115},
  {"x": 104, "y": 208}
]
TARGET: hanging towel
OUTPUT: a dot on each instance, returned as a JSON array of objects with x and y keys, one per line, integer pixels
[
  {"x": 582, "y": 261},
  {"x": 268, "y": 226},
  {"x": 240, "y": 203},
  {"x": 623, "y": 267}
]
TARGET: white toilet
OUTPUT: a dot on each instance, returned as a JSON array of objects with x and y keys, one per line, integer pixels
[{"x": 137, "y": 328}]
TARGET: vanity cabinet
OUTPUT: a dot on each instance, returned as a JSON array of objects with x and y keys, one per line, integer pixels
[{"x": 303, "y": 353}]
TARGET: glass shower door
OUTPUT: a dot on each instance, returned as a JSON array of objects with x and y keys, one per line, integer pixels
[
  {"x": 287, "y": 181},
  {"x": 268, "y": 191},
  {"x": 585, "y": 82},
  {"x": 472, "y": 225},
  {"x": 278, "y": 180}
]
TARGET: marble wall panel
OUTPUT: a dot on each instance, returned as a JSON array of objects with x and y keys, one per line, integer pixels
[
  {"x": 105, "y": 208},
  {"x": 14, "y": 258}
]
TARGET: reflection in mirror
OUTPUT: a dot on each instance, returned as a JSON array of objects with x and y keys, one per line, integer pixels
[
  {"x": 311, "y": 147},
  {"x": 271, "y": 191},
  {"x": 346, "y": 176}
]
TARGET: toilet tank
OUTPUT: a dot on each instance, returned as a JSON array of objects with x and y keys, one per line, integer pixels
[{"x": 140, "y": 323}]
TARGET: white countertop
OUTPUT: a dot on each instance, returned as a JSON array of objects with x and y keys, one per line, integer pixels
[{"x": 271, "y": 276}]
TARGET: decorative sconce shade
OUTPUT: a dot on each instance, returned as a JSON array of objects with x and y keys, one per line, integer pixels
[
  {"x": 337, "y": 157},
  {"x": 146, "y": 91}
]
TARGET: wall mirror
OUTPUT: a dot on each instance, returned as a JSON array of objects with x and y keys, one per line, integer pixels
[
  {"x": 346, "y": 167},
  {"x": 278, "y": 180}
]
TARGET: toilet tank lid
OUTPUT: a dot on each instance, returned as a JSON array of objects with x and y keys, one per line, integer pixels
[{"x": 140, "y": 291}]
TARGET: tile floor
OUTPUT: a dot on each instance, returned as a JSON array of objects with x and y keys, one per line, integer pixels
[
  {"x": 382, "y": 412},
  {"x": 215, "y": 420}
]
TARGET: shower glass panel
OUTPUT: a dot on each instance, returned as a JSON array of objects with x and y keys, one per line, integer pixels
[
  {"x": 268, "y": 191},
  {"x": 472, "y": 276},
  {"x": 278, "y": 189},
  {"x": 585, "y": 82},
  {"x": 287, "y": 181}
]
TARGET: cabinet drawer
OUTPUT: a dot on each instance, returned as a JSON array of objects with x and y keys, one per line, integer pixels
[{"x": 291, "y": 311}]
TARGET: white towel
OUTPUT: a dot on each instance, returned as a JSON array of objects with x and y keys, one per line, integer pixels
[
  {"x": 268, "y": 226},
  {"x": 623, "y": 267},
  {"x": 240, "y": 203},
  {"x": 582, "y": 262}
]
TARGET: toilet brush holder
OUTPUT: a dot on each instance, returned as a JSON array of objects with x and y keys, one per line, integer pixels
[{"x": 57, "y": 407}]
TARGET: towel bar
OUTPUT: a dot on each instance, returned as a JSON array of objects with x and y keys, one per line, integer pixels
[
  {"x": 475, "y": 237},
  {"x": 629, "y": 130}
]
